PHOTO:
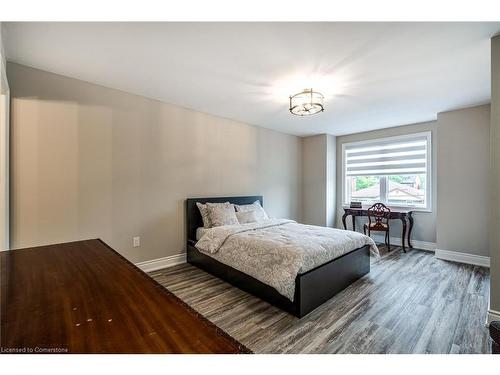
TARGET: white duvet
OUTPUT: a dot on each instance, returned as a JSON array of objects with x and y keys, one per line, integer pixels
[{"x": 276, "y": 251}]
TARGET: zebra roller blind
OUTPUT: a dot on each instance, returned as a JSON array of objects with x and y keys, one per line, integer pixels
[{"x": 388, "y": 156}]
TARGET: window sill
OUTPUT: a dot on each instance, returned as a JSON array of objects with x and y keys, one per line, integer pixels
[{"x": 395, "y": 208}]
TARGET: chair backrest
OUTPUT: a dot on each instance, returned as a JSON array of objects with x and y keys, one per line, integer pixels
[{"x": 379, "y": 212}]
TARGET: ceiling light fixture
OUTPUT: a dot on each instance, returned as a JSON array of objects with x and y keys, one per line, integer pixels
[{"x": 307, "y": 102}]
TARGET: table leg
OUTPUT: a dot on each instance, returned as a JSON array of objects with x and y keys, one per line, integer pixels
[
  {"x": 353, "y": 223},
  {"x": 410, "y": 218},
  {"x": 343, "y": 220},
  {"x": 403, "y": 236}
]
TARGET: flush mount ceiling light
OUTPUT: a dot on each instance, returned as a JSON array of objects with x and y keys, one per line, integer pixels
[{"x": 307, "y": 102}]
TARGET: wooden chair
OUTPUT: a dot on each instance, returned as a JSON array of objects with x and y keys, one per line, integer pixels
[{"x": 378, "y": 221}]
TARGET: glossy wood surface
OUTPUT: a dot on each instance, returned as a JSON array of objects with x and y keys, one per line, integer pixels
[{"x": 83, "y": 297}]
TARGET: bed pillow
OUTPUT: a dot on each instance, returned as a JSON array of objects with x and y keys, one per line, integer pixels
[
  {"x": 221, "y": 215},
  {"x": 246, "y": 217},
  {"x": 255, "y": 206},
  {"x": 204, "y": 212},
  {"x": 200, "y": 232}
]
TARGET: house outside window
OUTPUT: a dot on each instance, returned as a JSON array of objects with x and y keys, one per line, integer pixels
[{"x": 395, "y": 171}]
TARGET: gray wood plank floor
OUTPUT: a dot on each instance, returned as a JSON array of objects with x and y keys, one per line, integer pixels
[{"x": 408, "y": 303}]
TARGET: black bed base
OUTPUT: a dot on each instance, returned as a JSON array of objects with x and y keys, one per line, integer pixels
[{"x": 312, "y": 288}]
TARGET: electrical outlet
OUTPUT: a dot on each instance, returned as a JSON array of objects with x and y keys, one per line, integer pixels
[{"x": 136, "y": 241}]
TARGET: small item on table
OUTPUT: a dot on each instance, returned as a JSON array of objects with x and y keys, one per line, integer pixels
[{"x": 356, "y": 205}]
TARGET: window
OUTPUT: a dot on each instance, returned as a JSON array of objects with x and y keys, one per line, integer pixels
[{"x": 394, "y": 171}]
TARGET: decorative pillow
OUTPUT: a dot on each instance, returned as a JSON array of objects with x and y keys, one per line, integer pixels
[
  {"x": 255, "y": 206},
  {"x": 204, "y": 212},
  {"x": 246, "y": 217},
  {"x": 221, "y": 215}
]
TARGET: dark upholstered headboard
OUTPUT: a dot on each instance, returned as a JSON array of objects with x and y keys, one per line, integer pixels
[{"x": 193, "y": 216}]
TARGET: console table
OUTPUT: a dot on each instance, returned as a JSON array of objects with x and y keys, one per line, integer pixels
[{"x": 404, "y": 215}]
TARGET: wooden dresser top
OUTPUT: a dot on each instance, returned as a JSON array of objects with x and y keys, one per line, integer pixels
[{"x": 83, "y": 297}]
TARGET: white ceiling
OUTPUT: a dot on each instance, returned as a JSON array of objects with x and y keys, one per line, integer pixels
[{"x": 375, "y": 75}]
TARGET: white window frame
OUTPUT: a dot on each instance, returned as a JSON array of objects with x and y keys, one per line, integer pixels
[{"x": 428, "y": 177}]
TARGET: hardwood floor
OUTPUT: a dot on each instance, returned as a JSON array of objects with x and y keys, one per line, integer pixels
[{"x": 408, "y": 303}]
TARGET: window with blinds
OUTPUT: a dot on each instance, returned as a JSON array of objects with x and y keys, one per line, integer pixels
[{"x": 394, "y": 171}]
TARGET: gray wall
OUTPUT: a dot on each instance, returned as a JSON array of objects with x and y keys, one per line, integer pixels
[
  {"x": 331, "y": 180},
  {"x": 463, "y": 157},
  {"x": 2, "y": 52},
  {"x": 89, "y": 162},
  {"x": 314, "y": 160},
  {"x": 425, "y": 222},
  {"x": 94, "y": 162},
  {"x": 460, "y": 176},
  {"x": 495, "y": 176},
  {"x": 318, "y": 185}
]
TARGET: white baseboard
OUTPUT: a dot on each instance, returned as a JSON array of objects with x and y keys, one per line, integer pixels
[
  {"x": 455, "y": 256},
  {"x": 157, "y": 264},
  {"x": 422, "y": 245},
  {"x": 492, "y": 315}
]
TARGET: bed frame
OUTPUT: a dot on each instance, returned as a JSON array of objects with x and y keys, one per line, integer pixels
[{"x": 312, "y": 288}]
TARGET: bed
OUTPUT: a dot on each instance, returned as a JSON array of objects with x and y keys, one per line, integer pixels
[{"x": 311, "y": 288}]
